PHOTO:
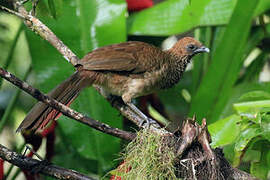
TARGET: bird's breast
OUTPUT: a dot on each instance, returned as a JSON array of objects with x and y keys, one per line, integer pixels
[{"x": 169, "y": 76}]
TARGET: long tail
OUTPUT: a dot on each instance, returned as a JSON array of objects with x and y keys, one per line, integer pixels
[{"x": 66, "y": 92}]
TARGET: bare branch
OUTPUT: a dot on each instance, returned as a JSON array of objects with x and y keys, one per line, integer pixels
[
  {"x": 13, "y": 12},
  {"x": 28, "y": 164},
  {"x": 64, "y": 109},
  {"x": 41, "y": 29}
]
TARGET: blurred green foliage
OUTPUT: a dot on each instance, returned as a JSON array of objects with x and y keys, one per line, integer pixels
[{"x": 224, "y": 86}]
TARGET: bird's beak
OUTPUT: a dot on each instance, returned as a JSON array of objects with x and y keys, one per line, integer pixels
[{"x": 202, "y": 49}]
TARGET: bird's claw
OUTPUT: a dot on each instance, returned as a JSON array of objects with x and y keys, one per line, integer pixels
[
  {"x": 146, "y": 123},
  {"x": 39, "y": 165},
  {"x": 36, "y": 168}
]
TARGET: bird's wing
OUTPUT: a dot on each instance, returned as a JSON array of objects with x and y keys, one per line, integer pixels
[{"x": 125, "y": 57}]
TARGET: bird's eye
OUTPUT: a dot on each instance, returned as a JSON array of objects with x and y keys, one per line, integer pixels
[{"x": 191, "y": 47}]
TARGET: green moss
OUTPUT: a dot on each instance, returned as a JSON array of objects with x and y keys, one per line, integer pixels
[{"x": 147, "y": 157}]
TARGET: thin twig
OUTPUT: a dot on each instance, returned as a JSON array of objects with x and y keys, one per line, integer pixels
[
  {"x": 13, "y": 12},
  {"x": 64, "y": 109},
  {"x": 29, "y": 163},
  {"x": 41, "y": 29}
]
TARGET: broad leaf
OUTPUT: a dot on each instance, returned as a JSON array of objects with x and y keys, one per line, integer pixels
[
  {"x": 216, "y": 85},
  {"x": 177, "y": 16},
  {"x": 261, "y": 168},
  {"x": 242, "y": 141},
  {"x": 224, "y": 131}
]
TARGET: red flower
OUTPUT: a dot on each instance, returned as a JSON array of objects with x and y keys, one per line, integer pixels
[
  {"x": 137, "y": 5},
  {"x": 1, "y": 168}
]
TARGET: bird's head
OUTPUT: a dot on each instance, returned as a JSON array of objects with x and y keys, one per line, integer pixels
[{"x": 188, "y": 46}]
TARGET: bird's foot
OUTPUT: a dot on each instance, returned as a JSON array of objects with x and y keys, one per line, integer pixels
[
  {"x": 37, "y": 168},
  {"x": 147, "y": 122},
  {"x": 39, "y": 165}
]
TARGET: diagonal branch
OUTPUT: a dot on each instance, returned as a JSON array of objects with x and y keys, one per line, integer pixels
[
  {"x": 64, "y": 109},
  {"x": 41, "y": 29},
  {"x": 28, "y": 164}
]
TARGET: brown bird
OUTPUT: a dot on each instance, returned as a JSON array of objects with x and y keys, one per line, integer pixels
[{"x": 129, "y": 69}]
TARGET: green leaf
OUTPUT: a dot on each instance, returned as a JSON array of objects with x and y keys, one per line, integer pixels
[
  {"x": 265, "y": 126},
  {"x": 261, "y": 168},
  {"x": 253, "y": 71},
  {"x": 11, "y": 53},
  {"x": 41, "y": 8},
  {"x": 262, "y": 7},
  {"x": 82, "y": 25},
  {"x": 71, "y": 159},
  {"x": 246, "y": 136},
  {"x": 216, "y": 85},
  {"x": 252, "y": 106},
  {"x": 242, "y": 86},
  {"x": 177, "y": 16},
  {"x": 242, "y": 141},
  {"x": 173, "y": 101},
  {"x": 200, "y": 63},
  {"x": 242, "y": 89},
  {"x": 254, "y": 96},
  {"x": 224, "y": 131},
  {"x": 157, "y": 116},
  {"x": 52, "y": 8},
  {"x": 252, "y": 155}
]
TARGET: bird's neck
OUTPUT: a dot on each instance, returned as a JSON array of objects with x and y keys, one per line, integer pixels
[
  {"x": 178, "y": 60},
  {"x": 174, "y": 70}
]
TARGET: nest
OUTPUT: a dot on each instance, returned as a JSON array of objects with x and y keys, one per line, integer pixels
[{"x": 188, "y": 155}]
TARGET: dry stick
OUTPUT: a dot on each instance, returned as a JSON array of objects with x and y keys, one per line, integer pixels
[
  {"x": 41, "y": 29},
  {"x": 13, "y": 12},
  {"x": 64, "y": 109},
  {"x": 28, "y": 164}
]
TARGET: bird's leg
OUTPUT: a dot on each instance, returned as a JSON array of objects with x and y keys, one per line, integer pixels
[
  {"x": 36, "y": 168},
  {"x": 127, "y": 100},
  {"x": 147, "y": 121}
]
